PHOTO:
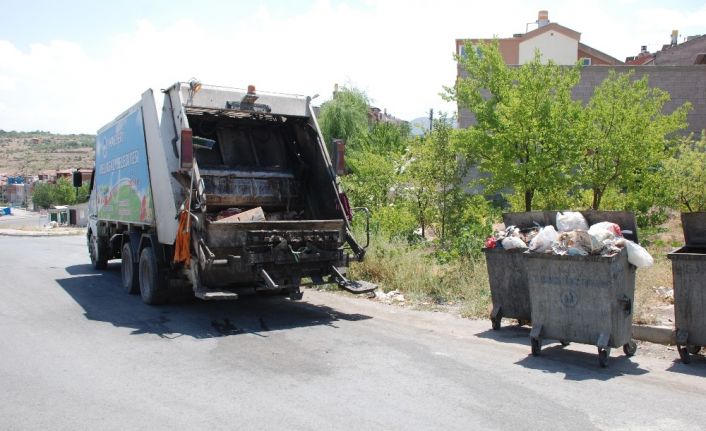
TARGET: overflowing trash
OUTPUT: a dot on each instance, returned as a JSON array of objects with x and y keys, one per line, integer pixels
[{"x": 572, "y": 237}]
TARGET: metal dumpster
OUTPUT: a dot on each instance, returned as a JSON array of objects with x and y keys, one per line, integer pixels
[
  {"x": 689, "y": 275},
  {"x": 584, "y": 299},
  {"x": 507, "y": 273}
]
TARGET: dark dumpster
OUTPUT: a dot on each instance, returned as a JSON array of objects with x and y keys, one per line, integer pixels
[
  {"x": 584, "y": 299},
  {"x": 689, "y": 280},
  {"x": 507, "y": 273}
]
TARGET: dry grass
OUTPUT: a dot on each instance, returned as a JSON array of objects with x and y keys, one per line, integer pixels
[
  {"x": 647, "y": 302},
  {"x": 650, "y": 306},
  {"x": 412, "y": 270}
]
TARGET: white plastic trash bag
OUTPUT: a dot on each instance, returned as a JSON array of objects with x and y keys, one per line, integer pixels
[
  {"x": 512, "y": 242},
  {"x": 637, "y": 255},
  {"x": 570, "y": 220},
  {"x": 542, "y": 243},
  {"x": 605, "y": 226},
  {"x": 603, "y": 236}
]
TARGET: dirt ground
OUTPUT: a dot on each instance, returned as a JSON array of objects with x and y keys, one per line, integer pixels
[{"x": 654, "y": 294}]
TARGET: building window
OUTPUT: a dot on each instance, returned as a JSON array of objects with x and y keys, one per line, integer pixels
[
  {"x": 585, "y": 61},
  {"x": 476, "y": 49}
]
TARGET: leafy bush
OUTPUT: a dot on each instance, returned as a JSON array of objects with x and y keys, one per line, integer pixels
[{"x": 63, "y": 192}]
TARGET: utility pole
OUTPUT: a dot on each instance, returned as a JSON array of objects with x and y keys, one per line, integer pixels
[{"x": 431, "y": 119}]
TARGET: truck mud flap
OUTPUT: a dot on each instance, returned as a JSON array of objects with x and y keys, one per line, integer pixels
[{"x": 350, "y": 285}]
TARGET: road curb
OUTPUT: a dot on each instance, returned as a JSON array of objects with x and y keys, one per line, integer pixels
[
  {"x": 654, "y": 334},
  {"x": 17, "y": 232}
]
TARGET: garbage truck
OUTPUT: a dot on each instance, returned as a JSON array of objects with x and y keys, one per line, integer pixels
[{"x": 231, "y": 192}]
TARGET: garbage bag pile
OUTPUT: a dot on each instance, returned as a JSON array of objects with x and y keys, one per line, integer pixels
[{"x": 573, "y": 237}]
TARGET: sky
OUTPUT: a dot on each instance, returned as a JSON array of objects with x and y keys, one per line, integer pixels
[{"x": 73, "y": 66}]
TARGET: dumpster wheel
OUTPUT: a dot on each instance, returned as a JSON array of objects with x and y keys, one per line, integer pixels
[
  {"x": 495, "y": 322},
  {"x": 693, "y": 349},
  {"x": 536, "y": 346},
  {"x": 603, "y": 357},
  {"x": 496, "y": 317},
  {"x": 684, "y": 354},
  {"x": 630, "y": 348}
]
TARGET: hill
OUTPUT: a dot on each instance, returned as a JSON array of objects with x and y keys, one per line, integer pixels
[
  {"x": 420, "y": 126},
  {"x": 28, "y": 153}
]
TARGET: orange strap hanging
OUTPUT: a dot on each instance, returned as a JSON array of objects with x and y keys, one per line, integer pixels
[{"x": 182, "y": 252}]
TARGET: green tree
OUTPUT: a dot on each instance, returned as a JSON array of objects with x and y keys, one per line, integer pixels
[
  {"x": 375, "y": 164},
  {"x": 43, "y": 195},
  {"x": 384, "y": 138},
  {"x": 526, "y": 136},
  {"x": 64, "y": 192},
  {"x": 435, "y": 177},
  {"x": 626, "y": 134},
  {"x": 371, "y": 179},
  {"x": 83, "y": 193},
  {"x": 686, "y": 173},
  {"x": 345, "y": 116},
  {"x": 419, "y": 187}
]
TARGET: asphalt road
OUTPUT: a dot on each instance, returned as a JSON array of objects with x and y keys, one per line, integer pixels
[
  {"x": 22, "y": 219},
  {"x": 77, "y": 353}
]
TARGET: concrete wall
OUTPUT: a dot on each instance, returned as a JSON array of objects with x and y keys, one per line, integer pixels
[
  {"x": 684, "y": 83},
  {"x": 81, "y": 214},
  {"x": 553, "y": 46}
]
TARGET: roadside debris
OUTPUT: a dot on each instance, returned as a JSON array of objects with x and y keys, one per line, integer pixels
[
  {"x": 665, "y": 294},
  {"x": 393, "y": 296}
]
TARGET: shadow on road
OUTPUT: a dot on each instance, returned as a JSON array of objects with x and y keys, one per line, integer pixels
[
  {"x": 508, "y": 334},
  {"x": 697, "y": 367},
  {"x": 102, "y": 299},
  {"x": 577, "y": 365}
]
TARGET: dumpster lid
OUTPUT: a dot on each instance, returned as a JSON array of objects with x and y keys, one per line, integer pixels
[
  {"x": 694, "y": 227},
  {"x": 526, "y": 220},
  {"x": 624, "y": 219}
]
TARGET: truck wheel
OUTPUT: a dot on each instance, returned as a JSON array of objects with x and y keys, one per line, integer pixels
[
  {"x": 129, "y": 271},
  {"x": 99, "y": 259},
  {"x": 152, "y": 283}
]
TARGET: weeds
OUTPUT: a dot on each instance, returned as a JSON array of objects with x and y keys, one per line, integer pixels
[{"x": 415, "y": 271}]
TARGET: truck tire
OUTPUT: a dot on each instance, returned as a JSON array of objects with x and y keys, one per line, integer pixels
[
  {"x": 152, "y": 281},
  {"x": 97, "y": 252},
  {"x": 129, "y": 271}
]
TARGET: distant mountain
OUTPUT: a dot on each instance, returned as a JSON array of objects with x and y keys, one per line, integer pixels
[
  {"x": 420, "y": 126},
  {"x": 29, "y": 153}
]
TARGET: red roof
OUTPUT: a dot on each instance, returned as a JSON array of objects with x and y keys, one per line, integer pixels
[{"x": 640, "y": 60}]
